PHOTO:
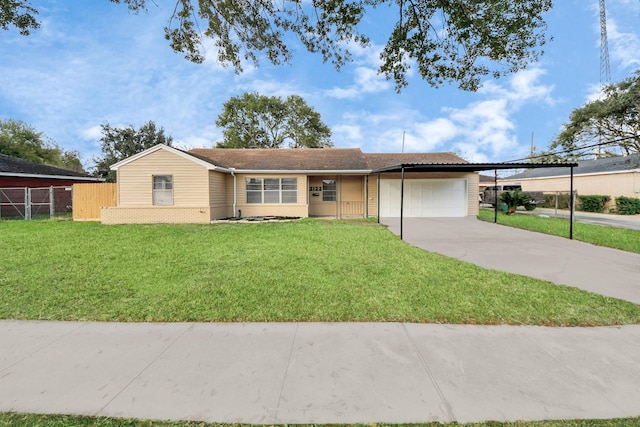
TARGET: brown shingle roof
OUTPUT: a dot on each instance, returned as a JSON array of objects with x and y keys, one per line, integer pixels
[
  {"x": 335, "y": 159},
  {"x": 384, "y": 160},
  {"x": 285, "y": 159}
]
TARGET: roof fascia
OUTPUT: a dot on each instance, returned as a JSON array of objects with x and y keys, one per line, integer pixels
[
  {"x": 31, "y": 175},
  {"x": 306, "y": 172},
  {"x": 180, "y": 153},
  {"x": 475, "y": 167},
  {"x": 575, "y": 174}
]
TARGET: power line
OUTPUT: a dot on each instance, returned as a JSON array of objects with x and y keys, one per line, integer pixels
[{"x": 571, "y": 150}]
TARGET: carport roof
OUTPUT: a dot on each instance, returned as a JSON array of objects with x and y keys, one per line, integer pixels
[{"x": 468, "y": 167}]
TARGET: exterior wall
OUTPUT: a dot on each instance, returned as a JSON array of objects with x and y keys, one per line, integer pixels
[
  {"x": 190, "y": 181},
  {"x": 473, "y": 185},
  {"x": 351, "y": 196},
  {"x": 155, "y": 215},
  {"x": 611, "y": 184},
  {"x": 218, "y": 200},
  {"x": 372, "y": 202},
  {"x": 300, "y": 209},
  {"x": 473, "y": 205}
]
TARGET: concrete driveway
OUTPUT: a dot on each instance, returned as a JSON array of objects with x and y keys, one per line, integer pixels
[{"x": 559, "y": 260}]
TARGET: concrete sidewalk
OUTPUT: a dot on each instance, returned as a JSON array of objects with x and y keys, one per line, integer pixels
[{"x": 319, "y": 372}]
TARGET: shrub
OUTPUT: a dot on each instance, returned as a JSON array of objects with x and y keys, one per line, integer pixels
[
  {"x": 513, "y": 199},
  {"x": 564, "y": 200},
  {"x": 593, "y": 203},
  {"x": 627, "y": 205}
]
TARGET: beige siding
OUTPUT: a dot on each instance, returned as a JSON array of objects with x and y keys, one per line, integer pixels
[
  {"x": 373, "y": 196},
  {"x": 473, "y": 205},
  {"x": 351, "y": 196},
  {"x": 155, "y": 215},
  {"x": 219, "y": 187},
  {"x": 190, "y": 181},
  {"x": 300, "y": 209},
  {"x": 614, "y": 185},
  {"x": 473, "y": 187}
]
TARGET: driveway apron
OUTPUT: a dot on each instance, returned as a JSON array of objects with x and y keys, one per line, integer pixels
[{"x": 605, "y": 271}]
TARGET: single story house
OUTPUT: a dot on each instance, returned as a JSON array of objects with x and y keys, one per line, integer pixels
[
  {"x": 166, "y": 185},
  {"x": 611, "y": 176}
]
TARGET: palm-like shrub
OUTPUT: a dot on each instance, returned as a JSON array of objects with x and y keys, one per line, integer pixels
[{"x": 513, "y": 199}]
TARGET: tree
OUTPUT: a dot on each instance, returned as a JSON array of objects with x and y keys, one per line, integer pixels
[
  {"x": 448, "y": 40},
  {"x": 20, "y": 14},
  {"x": 614, "y": 118},
  {"x": 117, "y": 144},
  {"x": 18, "y": 139},
  {"x": 259, "y": 121}
]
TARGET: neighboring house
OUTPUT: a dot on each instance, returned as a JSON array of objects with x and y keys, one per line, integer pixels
[
  {"x": 18, "y": 175},
  {"x": 612, "y": 176},
  {"x": 167, "y": 185},
  {"x": 15, "y": 172}
]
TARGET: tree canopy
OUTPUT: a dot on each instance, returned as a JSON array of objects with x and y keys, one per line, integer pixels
[
  {"x": 614, "y": 120},
  {"x": 19, "y": 139},
  {"x": 119, "y": 143},
  {"x": 447, "y": 41},
  {"x": 19, "y": 14},
  {"x": 258, "y": 121}
]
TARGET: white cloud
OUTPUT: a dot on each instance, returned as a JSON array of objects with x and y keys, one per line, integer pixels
[
  {"x": 366, "y": 79},
  {"x": 92, "y": 133},
  {"x": 624, "y": 47}
]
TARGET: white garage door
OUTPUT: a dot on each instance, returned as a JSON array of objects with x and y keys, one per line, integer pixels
[{"x": 424, "y": 198}]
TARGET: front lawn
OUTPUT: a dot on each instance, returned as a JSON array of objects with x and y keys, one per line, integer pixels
[
  {"x": 309, "y": 270},
  {"x": 611, "y": 237}
]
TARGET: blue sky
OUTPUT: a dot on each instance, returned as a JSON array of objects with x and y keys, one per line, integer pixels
[{"x": 94, "y": 62}]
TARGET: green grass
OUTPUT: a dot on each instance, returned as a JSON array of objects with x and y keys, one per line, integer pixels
[
  {"x": 9, "y": 419},
  {"x": 309, "y": 270},
  {"x": 611, "y": 237}
]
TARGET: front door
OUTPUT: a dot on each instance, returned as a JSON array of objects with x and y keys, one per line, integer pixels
[{"x": 323, "y": 196}]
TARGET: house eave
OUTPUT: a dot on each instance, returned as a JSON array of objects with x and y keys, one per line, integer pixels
[
  {"x": 567, "y": 175},
  {"x": 305, "y": 171},
  {"x": 68, "y": 177},
  {"x": 180, "y": 153}
]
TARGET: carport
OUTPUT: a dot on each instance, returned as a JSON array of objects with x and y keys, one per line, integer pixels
[{"x": 407, "y": 168}]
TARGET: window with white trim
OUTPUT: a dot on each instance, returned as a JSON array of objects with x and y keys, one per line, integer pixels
[
  {"x": 163, "y": 190},
  {"x": 329, "y": 190},
  {"x": 272, "y": 190}
]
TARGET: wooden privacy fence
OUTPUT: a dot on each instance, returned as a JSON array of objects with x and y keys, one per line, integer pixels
[{"x": 89, "y": 198}]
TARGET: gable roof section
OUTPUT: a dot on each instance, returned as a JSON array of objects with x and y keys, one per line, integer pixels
[
  {"x": 14, "y": 166},
  {"x": 185, "y": 155},
  {"x": 287, "y": 160},
  {"x": 587, "y": 167}
]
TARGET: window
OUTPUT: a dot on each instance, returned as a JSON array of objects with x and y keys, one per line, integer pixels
[
  {"x": 163, "y": 190},
  {"x": 329, "y": 188},
  {"x": 272, "y": 190},
  {"x": 254, "y": 190}
]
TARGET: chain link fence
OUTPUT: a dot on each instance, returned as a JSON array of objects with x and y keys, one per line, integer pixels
[{"x": 29, "y": 203}]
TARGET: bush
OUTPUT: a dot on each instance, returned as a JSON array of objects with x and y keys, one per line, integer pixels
[
  {"x": 627, "y": 205},
  {"x": 594, "y": 203},
  {"x": 513, "y": 199},
  {"x": 564, "y": 200}
]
